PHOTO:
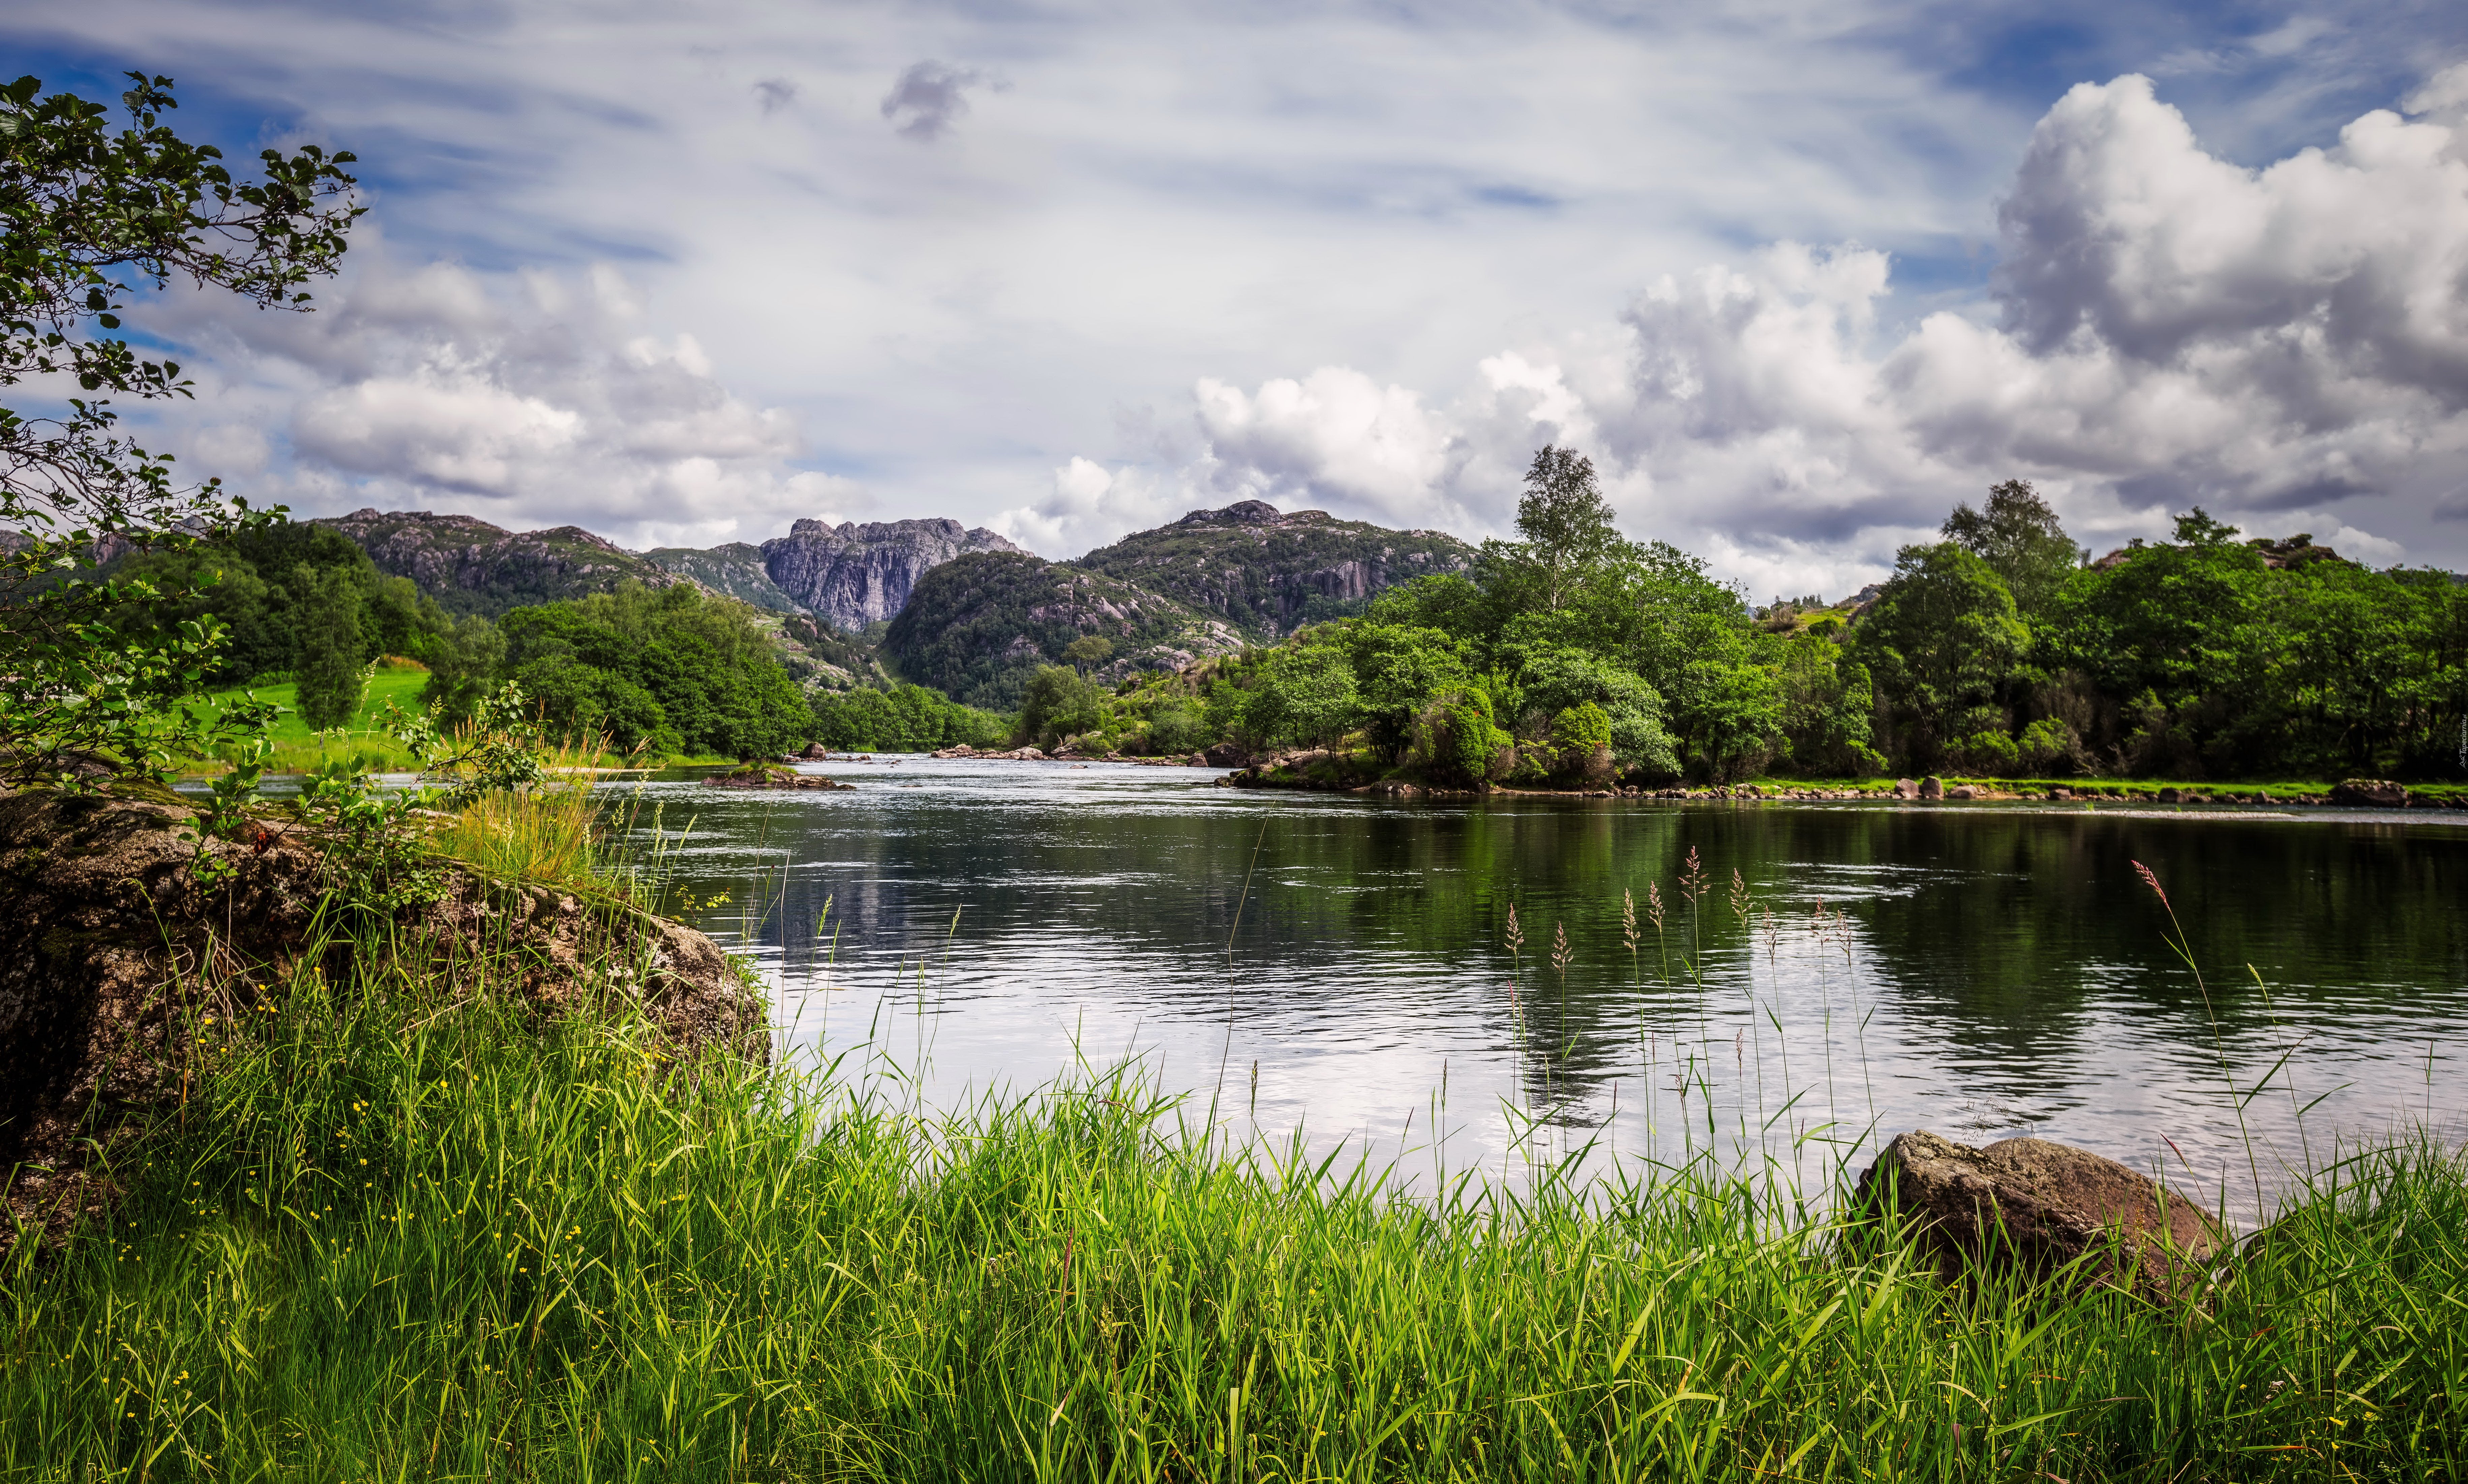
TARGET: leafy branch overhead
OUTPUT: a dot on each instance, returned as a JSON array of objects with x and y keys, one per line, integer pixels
[{"x": 91, "y": 219}]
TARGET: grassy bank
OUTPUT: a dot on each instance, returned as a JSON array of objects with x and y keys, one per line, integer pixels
[{"x": 399, "y": 1236}]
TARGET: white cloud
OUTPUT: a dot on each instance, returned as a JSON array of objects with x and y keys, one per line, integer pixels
[
  {"x": 2280, "y": 345},
  {"x": 1453, "y": 203},
  {"x": 527, "y": 403}
]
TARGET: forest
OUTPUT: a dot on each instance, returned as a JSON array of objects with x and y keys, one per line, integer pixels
[
  {"x": 1571, "y": 657},
  {"x": 1573, "y": 654}
]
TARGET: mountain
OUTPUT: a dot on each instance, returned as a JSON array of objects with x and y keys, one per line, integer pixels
[
  {"x": 735, "y": 569},
  {"x": 851, "y": 576},
  {"x": 976, "y": 626},
  {"x": 471, "y": 567},
  {"x": 1262, "y": 568}
]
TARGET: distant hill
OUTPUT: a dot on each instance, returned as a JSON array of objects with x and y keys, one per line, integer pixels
[
  {"x": 471, "y": 567},
  {"x": 735, "y": 569},
  {"x": 851, "y": 575},
  {"x": 1261, "y": 568},
  {"x": 969, "y": 613},
  {"x": 977, "y": 626}
]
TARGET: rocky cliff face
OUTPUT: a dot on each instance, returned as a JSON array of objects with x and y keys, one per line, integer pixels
[
  {"x": 472, "y": 566},
  {"x": 1260, "y": 567},
  {"x": 851, "y": 575}
]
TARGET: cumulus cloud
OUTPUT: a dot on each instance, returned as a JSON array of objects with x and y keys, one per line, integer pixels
[
  {"x": 538, "y": 401},
  {"x": 2287, "y": 346},
  {"x": 930, "y": 98}
]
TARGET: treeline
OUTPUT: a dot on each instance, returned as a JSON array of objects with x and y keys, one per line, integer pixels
[
  {"x": 1576, "y": 656},
  {"x": 668, "y": 671},
  {"x": 1568, "y": 656}
]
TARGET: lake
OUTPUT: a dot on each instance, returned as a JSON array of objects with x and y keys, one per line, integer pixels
[{"x": 1983, "y": 970}]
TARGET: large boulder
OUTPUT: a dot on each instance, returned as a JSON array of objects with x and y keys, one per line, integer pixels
[
  {"x": 125, "y": 946},
  {"x": 1226, "y": 754},
  {"x": 1906, "y": 788},
  {"x": 2040, "y": 1206}
]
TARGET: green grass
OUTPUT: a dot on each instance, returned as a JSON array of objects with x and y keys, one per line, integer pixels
[
  {"x": 297, "y": 749},
  {"x": 399, "y": 1233}
]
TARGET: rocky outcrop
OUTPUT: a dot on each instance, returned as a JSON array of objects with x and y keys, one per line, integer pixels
[
  {"x": 2040, "y": 1206},
  {"x": 127, "y": 961},
  {"x": 1260, "y": 567},
  {"x": 850, "y": 575},
  {"x": 471, "y": 567},
  {"x": 2371, "y": 793},
  {"x": 735, "y": 570}
]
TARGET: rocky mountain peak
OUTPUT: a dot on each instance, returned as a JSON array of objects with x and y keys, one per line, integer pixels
[
  {"x": 1254, "y": 512},
  {"x": 852, "y": 574}
]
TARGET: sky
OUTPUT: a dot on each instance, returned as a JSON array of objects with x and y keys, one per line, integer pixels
[{"x": 1797, "y": 277}]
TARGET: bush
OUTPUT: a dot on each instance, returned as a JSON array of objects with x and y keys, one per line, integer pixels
[
  {"x": 2048, "y": 747},
  {"x": 1456, "y": 739},
  {"x": 1988, "y": 752}
]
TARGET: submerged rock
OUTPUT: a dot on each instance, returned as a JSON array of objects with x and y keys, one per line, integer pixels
[
  {"x": 127, "y": 955},
  {"x": 2041, "y": 1205}
]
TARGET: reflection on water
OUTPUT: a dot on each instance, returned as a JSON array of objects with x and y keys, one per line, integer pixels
[{"x": 1980, "y": 970}]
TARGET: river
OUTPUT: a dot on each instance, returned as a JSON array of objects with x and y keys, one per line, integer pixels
[{"x": 1829, "y": 975}]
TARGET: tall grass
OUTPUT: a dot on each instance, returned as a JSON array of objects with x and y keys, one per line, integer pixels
[{"x": 405, "y": 1235}]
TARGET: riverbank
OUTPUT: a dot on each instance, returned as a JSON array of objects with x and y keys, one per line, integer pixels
[
  {"x": 403, "y": 1233},
  {"x": 403, "y": 1225}
]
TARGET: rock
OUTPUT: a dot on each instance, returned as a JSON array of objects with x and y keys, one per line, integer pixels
[
  {"x": 2371, "y": 793},
  {"x": 1392, "y": 788},
  {"x": 815, "y": 752},
  {"x": 1962, "y": 792},
  {"x": 851, "y": 575},
  {"x": 2054, "y": 1204},
  {"x": 1905, "y": 789},
  {"x": 1931, "y": 788},
  {"x": 2061, "y": 794},
  {"x": 1227, "y": 755},
  {"x": 775, "y": 778},
  {"x": 104, "y": 903},
  {"x": 1195, "y": 759}
]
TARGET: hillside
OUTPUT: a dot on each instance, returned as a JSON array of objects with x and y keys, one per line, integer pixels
[
  {"x": 735, "y": 569},
  {"x": 471, "y": 567},
  {"x": 1260, "y": 568},
  {"x": 977, "y": 626},
  {"x": 852, "y": 574}
]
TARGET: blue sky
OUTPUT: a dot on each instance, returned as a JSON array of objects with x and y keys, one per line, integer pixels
[{"x": 1788, "y": 271}]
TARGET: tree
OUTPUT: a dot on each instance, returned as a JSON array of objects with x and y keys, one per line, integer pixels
[
  {"x": 1308, "y": 693},
  {"x": 1940, "y": 642},
  {"x": 87, "y": 219},
  {"x": 326, "y": 607},
  {"x": 1567, "y": 530},
  {"x": 2021, "y": 540},
  {"x": 462, "y": 665},
  {"x": 1087, "y": 653},
  {"x": 1059, "y": 702}
]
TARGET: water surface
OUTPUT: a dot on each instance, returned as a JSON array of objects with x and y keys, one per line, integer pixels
[{"x": 1982, "y": 970}]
